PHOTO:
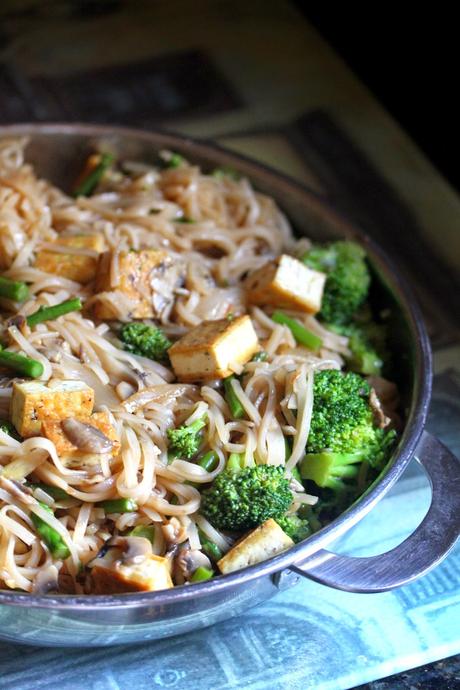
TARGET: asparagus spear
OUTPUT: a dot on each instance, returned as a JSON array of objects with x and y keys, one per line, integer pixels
[
  {"x": 54, "y": 312},
  {"x": 52, "y": 539},
  {"x": 119, "y": 505},
  {"x": 208, "y": 461},
  {"x": 89, "y": 183},
  {"x": 300, "y": 333},
  {"x": 236, "y": 408},
  {"x": 21, "y": 364},
  {"x": 13, "y": 289}
]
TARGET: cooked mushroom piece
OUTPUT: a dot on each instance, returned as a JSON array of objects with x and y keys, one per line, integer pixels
[
  {"x": 380, "y": 417},
  {"x": 188, "y": 560},
  {"x": 86, "y": 437},
  {"x": 46, "y": 580},
  {"x": 173, "y": 531}
]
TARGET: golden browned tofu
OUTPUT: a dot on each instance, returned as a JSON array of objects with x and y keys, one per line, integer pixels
[
  {"x": 147, "y": 278},
  {"x": 286, "y": 283},
  {"x": 150, "y": 575},
  {"x": 209, "y": 350},
  {"x": 265, "y": 541},
  {"x": 33, "y": 402},
  {"x": 76, "y": 267},
  {"x": 69, "y": 453}
]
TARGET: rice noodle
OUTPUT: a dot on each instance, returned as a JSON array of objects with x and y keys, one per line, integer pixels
[{"x": 234, "y": 230}]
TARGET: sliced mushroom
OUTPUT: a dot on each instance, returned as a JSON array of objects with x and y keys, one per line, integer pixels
[
  {"x": 122, "y": 551},
  {"x": 134, "y": 549},
  {"x": 46, "y": 580},
  {"x": 188, "y": 560},
  {"x": 173, "y": 531},
  {"x": 380, "y": 418},
  {"x": 86, "y": 437}
]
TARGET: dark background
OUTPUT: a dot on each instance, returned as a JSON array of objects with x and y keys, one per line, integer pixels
[{"x": 409, "y": 61}]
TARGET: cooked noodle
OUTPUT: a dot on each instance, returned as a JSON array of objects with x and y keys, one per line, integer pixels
[{"x": 235, "y": 230}]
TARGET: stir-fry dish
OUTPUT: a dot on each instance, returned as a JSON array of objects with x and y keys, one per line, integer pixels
[{"x": 186, "y": 389}]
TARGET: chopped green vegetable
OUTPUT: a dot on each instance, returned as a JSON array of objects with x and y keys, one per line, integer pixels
[
  {"x": 301, "y": 334},
  {"x": 145, "y": 531},
  {"x": 327, "y": 469},
  {"x": 144, "y": 340},
  {"x": 295, "y": 527},
  {"x": 236, "y": 408},
  {"x": 367, "y": 344},
  {"x": 13, "y": 289},
  {"x": 21, "y": 364},
  {"x": 87, "y": 186},
  {"x": 201, "y": 574},
  {"x": 226, "y": 171},
  {"x": 118, "y": 505},
  {"x": 9, "y": 429},
  {"x": 55, "y": 492},
  {"x": 235, "y": 462},
  {"x": 260, "y": 356},
  {"x": 242, "y": 498},
  {"x": 53, "y": 540},
  {"x": 184, "y": 219},
  {"x": 209, "y": 547},
  {"x": 54, "y": 312},
  {"x": 343, "y": 436},
  {"x": 175, "y": 161},
  {"x": 348, "y": 278},
  {"x": 185, "y": 441},
  {"x": 208, "y": 461}
]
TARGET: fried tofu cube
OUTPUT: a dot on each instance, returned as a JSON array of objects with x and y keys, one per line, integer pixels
[
  {"x": 147, "y": 278},
  {"x": 78, "y": 267},
  {"x": 267, "y": 540},
  {"x": 33, "y": 402},
  {"x": 149, "y": 576},
  {"x": 288, "y": 283},
  {"x": 70, "y": 454},
  {"x": 210, "y": 350}
]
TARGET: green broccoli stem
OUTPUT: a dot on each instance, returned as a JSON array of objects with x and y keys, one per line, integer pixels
[
  {"x": 54, "y": 312},
  {"x": 144, "y": 531},
  {"x": 15, "y": 290},
  {"x": 327, "y": 467},
  {"x": 208, "y": 461},
  {"x": 236, "y": 408},
  {"x": 92, "y": 179},
  {"x": 201, "y": 574},
  {"x": 234, "y": 462},
  {"x": 301, "y": 334},
  {"x": 209, "y": 547},
  {"x": 53, "y": 540},
  {"x": 21, "y": 364},
  {"x": 118, "y": 505}
]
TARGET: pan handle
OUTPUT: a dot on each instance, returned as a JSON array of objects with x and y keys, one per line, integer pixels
[{"x": 421, "y": 551}]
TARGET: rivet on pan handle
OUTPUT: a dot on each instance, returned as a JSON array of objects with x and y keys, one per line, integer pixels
[{"x": 419, "y": 553}]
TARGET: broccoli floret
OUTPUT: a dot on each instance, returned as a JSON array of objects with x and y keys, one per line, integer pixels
[
  {"x": 348, "y": 278},
  {"x": 295, "y": 527},
  {"x": 240, "y": 499},
  {"x": 342, "y": 436},
  {"x": 148, "y": 341},
  {"x": 185, "y": 441},
  {"x": 341, "y": 418},
  {"x": 366, "y": 343}
]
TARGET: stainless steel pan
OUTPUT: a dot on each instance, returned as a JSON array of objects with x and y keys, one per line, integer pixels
[{"x": 56, "y": 151}]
